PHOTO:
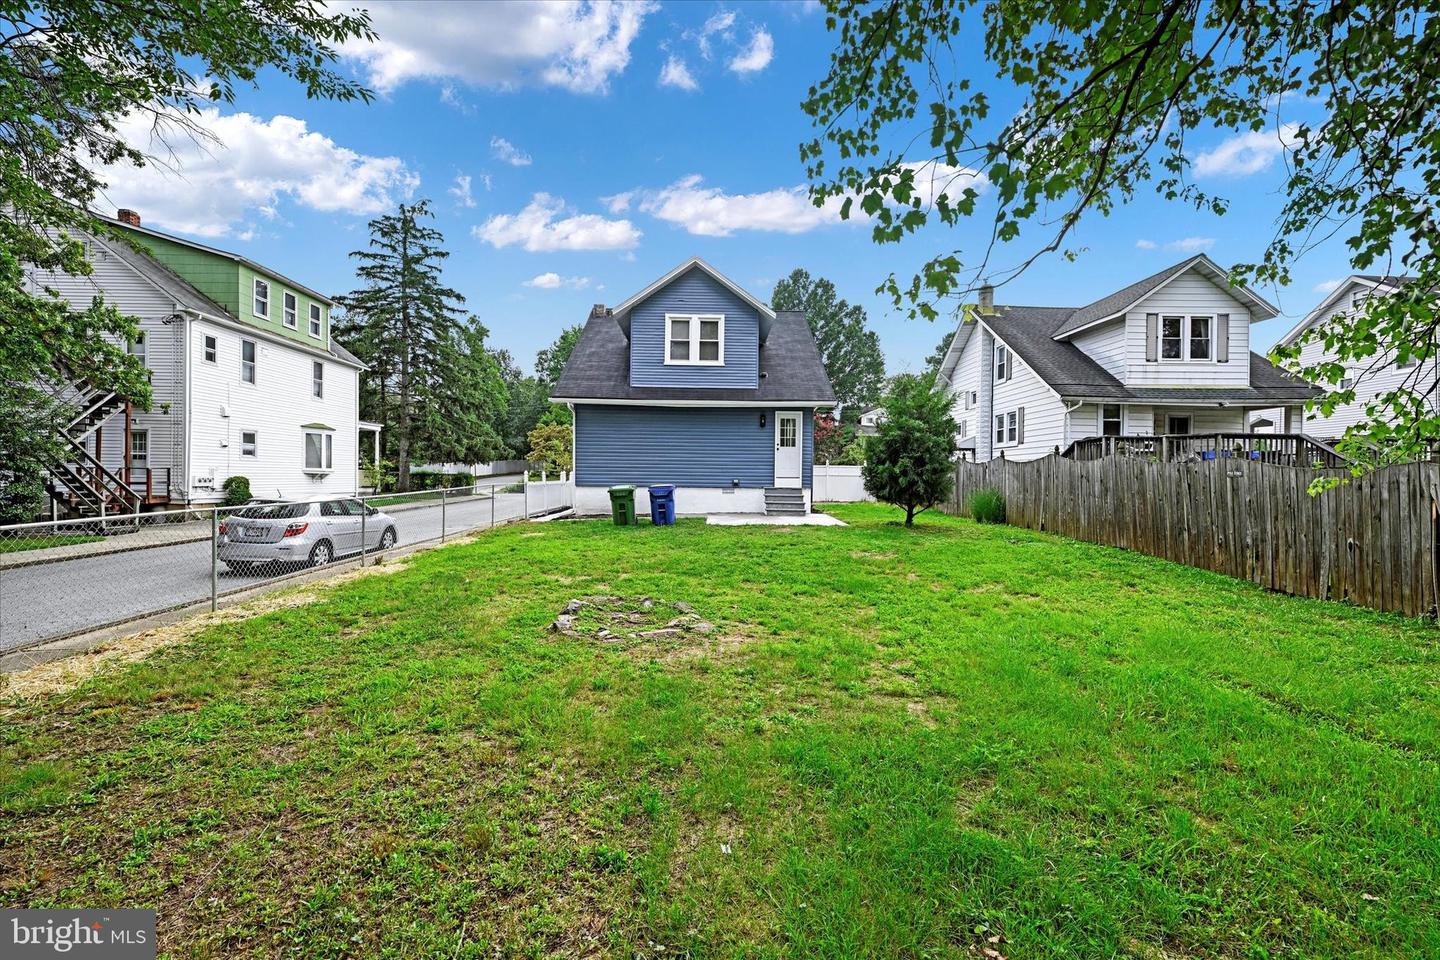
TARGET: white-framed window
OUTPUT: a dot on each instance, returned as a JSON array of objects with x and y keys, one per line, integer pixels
[
  {"x": 964, "y": 430},
  {"x": 1358, "y": 298},
  {"x": 1178, "y": 424},
  {"x": 1200, "y": 335},
  {"x": 139, "y": 447},
  {"x": 318, "y": 376},
  {"x": 247, "y": 361},
  {"x": 1112, "y": 420},
  {"x": 1347, "y": 381},
  {"x": 290, "y": 309},
  {"x": 137, "y": 350},
  {"x": 696, "y": 339},
  {"x": 262, "y": 298},
  {"x": 1002, "y": 362},
  {"x": 1187, "y": 337},
  {"x": 249, "y": 443},
  {"x": 212, "y": 349},
  {"x": 315, "y": 320},
  {"x": 1007, "y": 428},
  {"x": 319, "y": 451}
]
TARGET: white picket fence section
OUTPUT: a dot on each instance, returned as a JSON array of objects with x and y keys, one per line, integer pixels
[
  {"x": 543, "y": 496},
  {"x": 837, "y": 484}
]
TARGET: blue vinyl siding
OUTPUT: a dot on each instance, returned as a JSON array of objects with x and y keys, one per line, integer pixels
[
  {"x": 687, "y": 446},
  {"x": 694, "y": 292}
]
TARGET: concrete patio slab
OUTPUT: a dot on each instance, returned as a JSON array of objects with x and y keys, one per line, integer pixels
[{"x": 763, "y": 520}]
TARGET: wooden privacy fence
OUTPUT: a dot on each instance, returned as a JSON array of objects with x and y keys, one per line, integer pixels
[{"x": 1371, "y": 541}]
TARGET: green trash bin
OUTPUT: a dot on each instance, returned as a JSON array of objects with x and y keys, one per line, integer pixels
[{"x": 622, "y": 506}]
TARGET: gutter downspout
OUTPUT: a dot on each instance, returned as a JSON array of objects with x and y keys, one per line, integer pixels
[
  {"x": 1069, "y": 410},
  {"x": 189, "y": 411}
]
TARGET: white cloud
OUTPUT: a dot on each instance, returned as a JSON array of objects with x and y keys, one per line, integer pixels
[
  {"x": 1246, "y": 153},
  {"x": 553, "y": 281},
  {"x": 502, "y": 149},
  {"x": 487, "y": 181},
  {"x": 1143, "y": 244},
  {"x": 578, "y": 45},
  {"x": 676, "y": 74},
  {"x": 1191, "y": 244},
  {"x": 1329, "y": 286},
  {"x": 618, "y": 202},
  {"x": 461, "y": 191},
  {"x": 542, "y": 226},
  {"x": 711, "y": 212},
  {"x": 933, "y": 178},
  {"x": 209, "y": 188},
  {"x": 757, "y": 55},
  {"x": 720, "y": 23}
]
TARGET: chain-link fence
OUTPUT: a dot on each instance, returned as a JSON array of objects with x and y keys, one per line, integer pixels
[{"x": 67, "y": 577}]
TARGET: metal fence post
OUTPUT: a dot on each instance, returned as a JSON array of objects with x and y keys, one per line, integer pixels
[
  {"x": 364, "y": 512},
  {"x": 492, "y": 506},
  {"x": 442, "y": 514},
  {"x": 527, "y": 493},
  {"x": 214, "y": 557}
]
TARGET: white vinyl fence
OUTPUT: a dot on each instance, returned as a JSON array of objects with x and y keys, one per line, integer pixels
[{"x": 837, "y": 484}]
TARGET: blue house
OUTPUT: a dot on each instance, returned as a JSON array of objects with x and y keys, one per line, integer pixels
[{"x": 695, "y": 382}]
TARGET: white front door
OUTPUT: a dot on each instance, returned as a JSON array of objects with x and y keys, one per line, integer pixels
[{"x": 789, "y": 449}]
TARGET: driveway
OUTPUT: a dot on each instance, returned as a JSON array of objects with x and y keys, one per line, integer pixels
[{"x": 65, "y": 597}]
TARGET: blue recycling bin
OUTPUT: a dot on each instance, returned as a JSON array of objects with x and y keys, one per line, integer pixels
[{"x": 662, "y": 504}]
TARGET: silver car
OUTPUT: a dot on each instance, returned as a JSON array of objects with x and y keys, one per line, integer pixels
[{"x": 311, "y": 533}]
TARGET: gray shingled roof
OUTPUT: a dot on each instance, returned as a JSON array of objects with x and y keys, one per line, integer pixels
[
  {"x": 790, "y": 368},
  {"x": 1070, "y": 372}
]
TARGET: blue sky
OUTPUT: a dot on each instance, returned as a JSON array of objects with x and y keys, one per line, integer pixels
[{"x": 575, "y": 151}]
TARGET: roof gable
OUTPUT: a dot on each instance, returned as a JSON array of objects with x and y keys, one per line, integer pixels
[
  {"x": 1122, "y": 300},
  {"x": 621, "y": 311},
  {"x": 1369, "y": 281}
]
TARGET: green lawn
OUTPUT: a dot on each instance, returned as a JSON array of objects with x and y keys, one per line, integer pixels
[
  {"x": 41, "y": 542},
  {"x": 927, "y": 742}
]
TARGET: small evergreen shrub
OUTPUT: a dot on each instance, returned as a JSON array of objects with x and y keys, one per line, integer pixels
[
  {"x": 237, "y": 491},
  {"x": 987, "y": 506}
]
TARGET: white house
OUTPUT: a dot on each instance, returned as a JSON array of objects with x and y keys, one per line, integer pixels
[
  {"x": 1370, "y": 378},
  {"x": 245, "y": 376},
  {"x": 1167, "y": 355}
]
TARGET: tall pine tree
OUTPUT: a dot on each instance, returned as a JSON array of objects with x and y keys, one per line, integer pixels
[
  {"x": 849, "y": 349},
  {"x": 431, "y": 381}
]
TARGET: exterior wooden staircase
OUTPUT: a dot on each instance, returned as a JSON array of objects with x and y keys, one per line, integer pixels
[{"x": 81, "y": 483}]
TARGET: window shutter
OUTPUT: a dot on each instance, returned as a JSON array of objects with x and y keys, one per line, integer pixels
[
  {"x": 1020, "y": 425},
  {"x": 1222, "y": 337},
  {"x": 1152, "y": 337}
]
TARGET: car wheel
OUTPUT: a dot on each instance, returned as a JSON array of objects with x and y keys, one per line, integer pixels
[
  {"x": 387, "y": 539},
  {"x": 321, "y": 554}
]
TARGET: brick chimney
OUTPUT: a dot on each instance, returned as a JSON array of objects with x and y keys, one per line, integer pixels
[
  {"x": 598, "y": 311},
  {"x": 128, "y": 216},
  {"x": 987, "y": 298}
]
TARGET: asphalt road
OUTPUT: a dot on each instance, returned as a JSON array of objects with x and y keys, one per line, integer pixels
[{"x": 59, "y": 599}]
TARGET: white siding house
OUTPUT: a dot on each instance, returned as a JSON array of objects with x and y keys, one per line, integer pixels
[
  {"x": 229, "y": 397},
  {"x": 1167, "y": 355},
  {"x": 1372, "y": 378}
]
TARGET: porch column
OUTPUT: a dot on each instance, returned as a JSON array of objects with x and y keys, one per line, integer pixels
[{"x": 1294, "y": 420}]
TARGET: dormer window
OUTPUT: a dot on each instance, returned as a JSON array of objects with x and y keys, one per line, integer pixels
[{"x": 696, "y": 339}]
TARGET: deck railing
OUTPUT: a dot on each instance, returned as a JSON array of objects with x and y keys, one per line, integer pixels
[{"x": 1289, "y": 449}]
